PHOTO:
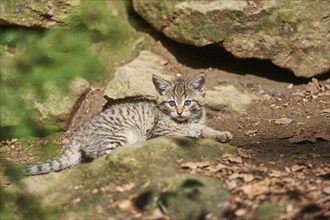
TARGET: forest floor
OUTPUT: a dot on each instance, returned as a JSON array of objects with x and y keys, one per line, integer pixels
[
  {"x": 283, "y": 139},
  {"x": 283, "y": 142},
  {"x": 283, "y": 151}
]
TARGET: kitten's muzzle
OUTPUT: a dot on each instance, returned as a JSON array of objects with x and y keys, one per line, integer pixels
[{"x": 179, "y": 110}]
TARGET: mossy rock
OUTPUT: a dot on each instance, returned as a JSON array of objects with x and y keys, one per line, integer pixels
[
  {"x": 191, "y": 197},
  {"x": 39, "y": 14},
  {"x": 291, "y": 34},
  {"x": 150, "y": 168}
]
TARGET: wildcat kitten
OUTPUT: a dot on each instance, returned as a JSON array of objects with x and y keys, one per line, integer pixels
[{"x": 179, "y": 110}]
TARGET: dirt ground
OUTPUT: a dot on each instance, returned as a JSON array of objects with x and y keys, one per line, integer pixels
[{"x": 283, "y": 139}]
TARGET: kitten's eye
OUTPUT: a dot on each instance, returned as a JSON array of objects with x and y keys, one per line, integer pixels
[
  {"x": 187, "y": 102},
  {"x": 172, "y": 103}
]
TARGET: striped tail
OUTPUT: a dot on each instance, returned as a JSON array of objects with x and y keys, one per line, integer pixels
[{"x": 66, "y": 159}]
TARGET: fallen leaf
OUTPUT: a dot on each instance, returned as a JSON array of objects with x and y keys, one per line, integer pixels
[
  {"x": 76, "y": 200},
  {"x": 125, "y": 187},
  {"x": 157, "y": 214},
  {"x": 232, "y": 185},
  {"x": 287, "y": 134},
  {"x": 321, "y": 171},
  {"x": 316, "y": 82},
  {"x": 283, "y": 121},
  {"x": 232, "y": 158},
  {"x": 126, "y": 205},
  {"x": 255, "y": 189},
  {"x": 240, "y": 212},
  {"x": 322, "y": 136},
  {"x": 248, "y": 177},
  {"x": 243, "y": 176},
  {"x": 234, "y": 176},
  {"x": 301, "y": 136},
  {"x": 219, "y": 167},
  {"x": 297, "y": 167},
  {"x": 313, "y": 86},
  {"x": 146, "y": 184},
  {"x": 275, "y": 173},
  {"x": 192, "y": 165},
  {"x": 244, "y": 154},
  {"x": 301, "y": 139},
  {"x": 326, "y": 190},
  {"x": 251, "y": 132}
]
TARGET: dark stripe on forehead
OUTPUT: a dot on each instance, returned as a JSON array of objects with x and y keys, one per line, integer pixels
[{"x": 179, "y": 89}]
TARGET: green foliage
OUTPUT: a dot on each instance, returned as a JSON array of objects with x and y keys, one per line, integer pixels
[
  {"x": 51, "y": 57},
  {"x": 39, "y": 64},
  {"x": 100, "y": 19}
]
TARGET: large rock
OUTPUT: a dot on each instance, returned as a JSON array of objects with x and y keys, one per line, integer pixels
[
  {"x": 292, "y": 34},
  {"x": 138, "y": 178},
  {"x": 135, "y": 79},
  {"x": 38, "y": 14}
]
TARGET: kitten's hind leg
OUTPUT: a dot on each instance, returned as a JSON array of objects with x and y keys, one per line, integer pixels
[{"x": 219, "y": 136}]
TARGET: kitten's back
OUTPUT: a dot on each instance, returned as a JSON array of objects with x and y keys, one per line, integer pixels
[{"x": 121, "y": 123}]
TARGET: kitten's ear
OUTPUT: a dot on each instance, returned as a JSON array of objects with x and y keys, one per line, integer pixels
[
  {"x": 198, "y": 83},
  {"x": 160, "y": 84}
]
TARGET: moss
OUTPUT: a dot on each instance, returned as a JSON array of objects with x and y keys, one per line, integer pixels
[
  {"x": 268, "y": 210},
  {"x": 39, "y": 13},
  {"x": 291, "y": 19},
  {"x": 202, "y": 28},
  {"x": 262, "y": 23},
  {"x": 156, "y": 11}
]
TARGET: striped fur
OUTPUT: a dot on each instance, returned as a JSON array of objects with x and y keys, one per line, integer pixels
[{"x": 179, "y": 110}]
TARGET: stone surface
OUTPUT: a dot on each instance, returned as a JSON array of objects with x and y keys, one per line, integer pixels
[
  {"x": 38, "y": 14},
  {"x": 134, "y": 79},
  {"x": 144, "y": 175},
  {"x": 58, "y": 104},
  {"x": 292, "y": 34}
]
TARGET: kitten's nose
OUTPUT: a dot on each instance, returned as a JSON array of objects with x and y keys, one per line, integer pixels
[{"x": 179, "y": 111}]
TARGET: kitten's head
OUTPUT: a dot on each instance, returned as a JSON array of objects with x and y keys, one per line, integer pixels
[{"x": 181, "y": 99}]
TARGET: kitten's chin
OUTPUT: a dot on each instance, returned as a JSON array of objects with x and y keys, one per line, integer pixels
[{"x": 181, "y": 119}]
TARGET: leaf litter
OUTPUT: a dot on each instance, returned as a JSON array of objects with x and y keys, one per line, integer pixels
[
  {"x": 301, "y": 136},
  {"x": 253, "y": 185}
]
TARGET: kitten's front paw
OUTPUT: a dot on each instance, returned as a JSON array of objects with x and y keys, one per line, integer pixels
[{"x": 223, "y": 137}]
